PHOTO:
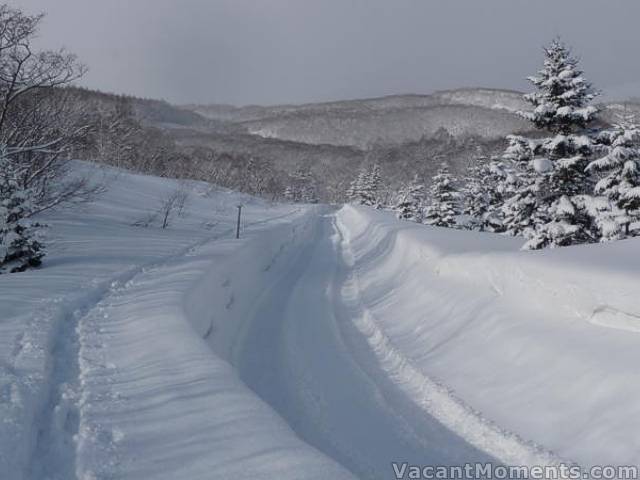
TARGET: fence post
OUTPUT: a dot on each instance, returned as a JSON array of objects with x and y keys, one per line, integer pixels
[{"x": 239, "y": 217}]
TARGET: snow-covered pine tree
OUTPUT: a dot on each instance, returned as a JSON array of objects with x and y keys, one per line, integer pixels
[
  {"x": 443, "y": 209},
  {"x": 19, "y": 246},
  {"x": 304, "y": 187},
  {"x": 475, "y": 198},
  {"x": 497, "y": 182},
  {"x": 370, "y": 191},
  {"x": 365, "y": 187},
  {"x": 410, "y": 201},
  {"x": 563, "y": 99},
  {"x": 549, "y": 208},
  {"x": 488, "y": 183},
  {"x": 520, "y": 211},
  {"x": 353, "y": 193},
  {"x": 619, "y": 184}
]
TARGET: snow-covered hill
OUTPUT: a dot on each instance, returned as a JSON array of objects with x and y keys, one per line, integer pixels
[
  {"x": 486, "y": 113},
  {"x": 392, "y": 126},
  {"x": 481, "y": 97},
  {"x": 495, "y": 99}
]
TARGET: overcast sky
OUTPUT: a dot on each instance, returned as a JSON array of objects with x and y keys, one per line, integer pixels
[{"x": 277, "y": 51}]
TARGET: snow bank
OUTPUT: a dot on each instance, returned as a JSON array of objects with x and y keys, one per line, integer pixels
[
  {"x": 106, "y": 361},
  {"x": 543, "y": 344}
]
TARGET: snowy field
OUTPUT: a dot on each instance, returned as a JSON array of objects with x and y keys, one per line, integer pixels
[
  {"x": 105, "y": 371},
  {"x": 364, "y": 340}
]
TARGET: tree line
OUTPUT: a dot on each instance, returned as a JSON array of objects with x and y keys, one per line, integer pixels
[{"x": 573, "y": 182}]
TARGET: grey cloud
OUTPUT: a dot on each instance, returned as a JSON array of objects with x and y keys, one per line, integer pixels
[{"x": 276, "y": 51}]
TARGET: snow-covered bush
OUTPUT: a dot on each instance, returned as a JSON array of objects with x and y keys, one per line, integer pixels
[{"x": 171, "y": 205}]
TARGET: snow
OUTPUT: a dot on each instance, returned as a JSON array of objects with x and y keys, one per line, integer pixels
[
  {"x": 105, "y": 370},
  {"x": 543, "y": 344},
  {"x": 542, "y": 165},
  {"x": 564, "y": 206},
  {"x": 325, "y": 343}
]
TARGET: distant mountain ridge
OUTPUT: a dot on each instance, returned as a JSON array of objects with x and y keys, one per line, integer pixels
[
  {"x": 148, "y": 111},
  {"x": 482, "y": 112},
  {"x": 482, "y": 97}
]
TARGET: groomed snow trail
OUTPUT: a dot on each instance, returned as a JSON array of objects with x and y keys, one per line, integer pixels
[
  {"x": 59, "y": 421},
  {"x": 114, "y": 408},
  {"x": 305, "y": 354}
]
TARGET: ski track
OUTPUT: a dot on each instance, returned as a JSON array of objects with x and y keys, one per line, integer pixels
[
  {"x": 59, "y": 421},
  {"x": 54, "y": 455}
]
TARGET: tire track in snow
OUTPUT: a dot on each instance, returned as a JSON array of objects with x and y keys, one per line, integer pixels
[
  {"x": 433, "y": 398},
  {"x": 296, "y": 356}
]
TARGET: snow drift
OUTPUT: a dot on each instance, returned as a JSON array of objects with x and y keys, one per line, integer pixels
[{"x": 543, "y": 344}]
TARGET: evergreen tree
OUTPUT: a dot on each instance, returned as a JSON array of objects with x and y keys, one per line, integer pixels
[
  {"x": 444, "y": 208},
  {"x": 370, "y": 192},
  {"x": 474, "y": 201},
  {"x": 19, "y": 247},
  {"x": 486, "y": 187},
  {"x": 356, "y": 186},
  {"x": 365, "y": 188},
  {"x": 562, "y": 101},
  {"x": 521, "y": 209},
  {"x": 619, "y": 170},
  {"x": 410, "y": 201},
  {"x": 304, "y": 187},
  {"x": 497, "y": 183},
  {"x": 549, "y": 205}
]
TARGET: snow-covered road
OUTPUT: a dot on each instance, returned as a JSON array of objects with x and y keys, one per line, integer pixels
[{"x": 303, "y": 356}]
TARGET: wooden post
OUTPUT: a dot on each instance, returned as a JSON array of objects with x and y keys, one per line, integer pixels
[{"x": 239, "y": 217}]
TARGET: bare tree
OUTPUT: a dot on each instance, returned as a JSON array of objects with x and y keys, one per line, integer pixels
[
  {"x": 116, "y": 133},
  {"x": 21, "y": 69},
  {"x": 39, "y": 129},
  {"x": 39, "y": 124},
  {"x": 173, "y": 205}
]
